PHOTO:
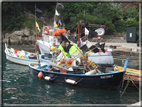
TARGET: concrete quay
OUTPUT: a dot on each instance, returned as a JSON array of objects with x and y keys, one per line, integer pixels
[{"x": 122, "y": 48}]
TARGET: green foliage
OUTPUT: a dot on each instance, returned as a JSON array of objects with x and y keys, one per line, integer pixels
[
  {"x": 109, "y": 14},
  {"x": 12, "y": 17},
  {"x": 131, "y": 12},
  {"x": 131, "y": 22},
  {"x": 120, "y": 26},
  {"x": 29, "y": 23},
  {"x": 95, "y": 13}
]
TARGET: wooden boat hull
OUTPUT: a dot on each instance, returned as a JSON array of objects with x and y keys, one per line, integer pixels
[
  {"x": 131, "y": 75},
  {"x": 109, "y": 80}
]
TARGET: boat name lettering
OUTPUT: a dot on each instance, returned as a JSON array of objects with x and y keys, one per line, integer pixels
[{"x": 107, "y": 76}]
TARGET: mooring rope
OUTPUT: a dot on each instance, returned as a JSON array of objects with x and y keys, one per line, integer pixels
[
  {"x": 125, "y": 88},
  {"x": 133, "y": 81}
]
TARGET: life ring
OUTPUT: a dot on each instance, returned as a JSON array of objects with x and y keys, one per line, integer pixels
[{"x": 46, "y": 30}]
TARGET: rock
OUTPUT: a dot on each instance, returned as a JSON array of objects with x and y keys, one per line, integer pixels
[
  {"x": 7, "y": 35},
  {"x": 17, "y": 33},
  {"x": 26, "y": 32}
]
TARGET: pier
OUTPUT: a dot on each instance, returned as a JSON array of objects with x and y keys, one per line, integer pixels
[{"x": 129, "y": 49}]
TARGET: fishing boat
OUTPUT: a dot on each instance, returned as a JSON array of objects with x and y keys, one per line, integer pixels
[
  {"x": 47, "y": 41},
  {"x": 78, "y": 75},
  {"x": 132, "y": 75},
  {"x": 23, "y": 57}
]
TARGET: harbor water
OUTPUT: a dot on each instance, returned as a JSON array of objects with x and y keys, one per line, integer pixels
[{"x": 19, "y": 87}]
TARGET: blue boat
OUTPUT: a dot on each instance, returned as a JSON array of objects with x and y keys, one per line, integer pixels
[{"x": 78, "y": 76}]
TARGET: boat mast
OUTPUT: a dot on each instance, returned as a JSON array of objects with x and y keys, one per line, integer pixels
[
  {"x": 54, "y": 23},
  {"x": 78, "y": 26},
  {"x": 35, "y": 20}
]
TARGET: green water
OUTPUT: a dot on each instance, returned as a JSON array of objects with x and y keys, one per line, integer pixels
[{"x": 19, "y": 87}]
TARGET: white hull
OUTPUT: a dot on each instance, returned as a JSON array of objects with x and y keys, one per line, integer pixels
[
  {"x": 45, "y": 45},
  {"x": 22, "y": 61},
  {"x": 18, "y": 60}
]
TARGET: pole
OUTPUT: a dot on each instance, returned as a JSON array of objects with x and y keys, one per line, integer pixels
[
  {"x": 54, "y": 24},
  {"x": 35, "y": 20},
  {"x": 78, "y": 34}
]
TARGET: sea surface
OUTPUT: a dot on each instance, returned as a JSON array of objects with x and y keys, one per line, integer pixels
[{"x": 19, "y": 87}]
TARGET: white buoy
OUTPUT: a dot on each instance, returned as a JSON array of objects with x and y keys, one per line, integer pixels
[
  {"x": 48, "y": 78},
  {"x": 70, "y": 81},
  {"x": 91, "y": 72}
]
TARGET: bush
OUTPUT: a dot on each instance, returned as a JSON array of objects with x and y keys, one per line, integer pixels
[
  {"x": 120, "y": 26},
  {"x": 29, "y": 23},
  {"x": 131, "y": 22}
]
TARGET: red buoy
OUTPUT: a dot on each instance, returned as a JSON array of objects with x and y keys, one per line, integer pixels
[
  {"x": 62, "y": 61},
  {"x": 69, "y": 61}
]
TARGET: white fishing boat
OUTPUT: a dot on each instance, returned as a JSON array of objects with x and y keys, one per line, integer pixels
[{"x": 22, "y": 57}]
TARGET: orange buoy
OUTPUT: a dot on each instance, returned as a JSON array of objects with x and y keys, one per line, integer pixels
[
  {"x": 69, "y": 61},
  {"x": 62, "y": 61},
  {"x": 40, "y": 75},
  {"x": 31, "y": 53},
  {"x": 59, "y": 31},
  {"x": 46, "y": 30}
]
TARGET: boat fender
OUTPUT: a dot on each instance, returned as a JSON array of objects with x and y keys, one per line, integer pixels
[
  {"x": 91, "y": 72},
  {"x": 20, "y": 56},
  {"x": 48, "y": 78},
  {"x": 40, "y": 75},
  {"x": 70, "y": 81}
]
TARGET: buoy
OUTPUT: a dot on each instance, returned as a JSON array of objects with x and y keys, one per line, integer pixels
[
  {"x": 20, "y": 56},
  {"x": 52, "y": 48},
  {"x": 70, "y": 81},
  {"x": 69, "y": 62},
  {"x": 31, "y": 53},
  {"x": 48, "y": 78},
  {"x": 40, "y": 75},
  {"x": 59, "y": 63},
  {"x": 62, "y": 61}
]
